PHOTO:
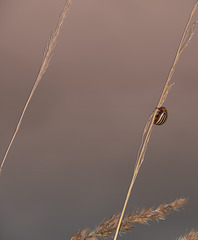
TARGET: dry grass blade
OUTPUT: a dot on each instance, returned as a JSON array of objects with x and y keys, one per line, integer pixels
[
  {"x": 108, "y": 227},
  {"x": 166, "y": 89},
  {"x": 192, "y": 235},
  {"x": 45, "y": 63}
]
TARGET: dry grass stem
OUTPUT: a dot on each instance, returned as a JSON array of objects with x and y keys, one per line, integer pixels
[
  {"x": 186, "y": 38},
  {"x": 192, "y": 235},
  {"x": 108, "y": 227},
  {"x": 45, "y": 63}
]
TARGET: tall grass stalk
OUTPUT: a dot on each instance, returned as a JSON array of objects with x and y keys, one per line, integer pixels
[
  {"x": 186, "y": 38},
  {"x": 45, "y": 63}
]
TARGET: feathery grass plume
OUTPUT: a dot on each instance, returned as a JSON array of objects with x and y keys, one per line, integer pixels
[
  {"x": 108, "y": 227},
  {"x": 185, "y": 39},
  {"x": 45, "y": 63},
  {"x": 192, "y": 235}
]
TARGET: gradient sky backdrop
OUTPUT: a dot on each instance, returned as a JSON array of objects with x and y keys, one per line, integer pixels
[{"x": 72, "y": 160}]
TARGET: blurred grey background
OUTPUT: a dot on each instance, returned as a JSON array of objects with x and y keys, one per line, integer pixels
[{"x": 72, "y": 160}]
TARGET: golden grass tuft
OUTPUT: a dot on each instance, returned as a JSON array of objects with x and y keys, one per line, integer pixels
[
  {"x": 108, "y": 227},
  {"x": 192, "y": 235}
]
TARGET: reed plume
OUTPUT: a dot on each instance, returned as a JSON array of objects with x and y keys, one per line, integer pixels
[
  {"x": 45, "y": 63},
  {"x": 144, "y": 216},
  {"x": 192, "y": 235}
]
